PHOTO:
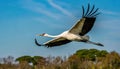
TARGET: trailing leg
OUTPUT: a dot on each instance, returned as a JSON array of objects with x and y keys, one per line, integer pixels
[{"x": 98, "y": 44}]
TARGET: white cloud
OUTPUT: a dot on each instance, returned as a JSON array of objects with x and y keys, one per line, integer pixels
[
  {"x": 45, "y": 22},
  {"x": 110, "y": 12},
  {"x": 61, "y": 9},
  {"x": 38, "y": 8},
  {"x": 111, "y": 24}
]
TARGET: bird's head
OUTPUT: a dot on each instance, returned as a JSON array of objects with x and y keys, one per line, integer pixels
[{"x": 43, "y": 34}]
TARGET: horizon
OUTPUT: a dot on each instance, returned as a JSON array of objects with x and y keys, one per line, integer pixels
[{"x": 21, "y": 20}]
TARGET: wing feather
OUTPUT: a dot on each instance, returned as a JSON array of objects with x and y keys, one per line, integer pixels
[
  {"x": 88, "y": 24},
  {"x": 77, "y": 28},
  {"x": 85, "y": 24},
  {"x": 57, "y": 42}
]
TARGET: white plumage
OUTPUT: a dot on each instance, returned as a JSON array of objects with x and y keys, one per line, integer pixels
[{"x": 76, "y": 33}]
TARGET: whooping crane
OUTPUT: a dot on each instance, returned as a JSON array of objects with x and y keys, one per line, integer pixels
[{"x": 77, "y": 32}]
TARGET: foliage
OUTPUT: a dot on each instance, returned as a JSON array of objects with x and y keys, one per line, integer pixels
[
  {"x": 90, "y": 54},
  {"x": 24, "y": 58},
  {"x": 82, "y": 59}
]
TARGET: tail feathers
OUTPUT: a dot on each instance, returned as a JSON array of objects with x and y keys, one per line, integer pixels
[{"x": 37, "y": 43}]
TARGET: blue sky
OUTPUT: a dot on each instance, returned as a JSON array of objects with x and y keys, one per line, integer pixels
[{"x": 21, "y": 20}]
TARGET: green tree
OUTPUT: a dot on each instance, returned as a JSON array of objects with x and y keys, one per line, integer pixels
[
  {"x": 90, "y": 54},
  {"x": 24, "y": 58},
  {"x": 24, "y": 62},
  {"x": 38, "y": 60}
]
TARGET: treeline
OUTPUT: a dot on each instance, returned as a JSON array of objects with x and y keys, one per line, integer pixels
[{"x": 82, "y": 59}]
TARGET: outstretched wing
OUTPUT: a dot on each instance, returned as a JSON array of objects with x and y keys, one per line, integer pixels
[
  {"x": 54, "y": 42},
  {"x": 86, "y": 22},
  {"x": 57, "y": 42}
]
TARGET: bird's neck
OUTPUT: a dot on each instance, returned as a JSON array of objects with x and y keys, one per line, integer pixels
[{"x": 51, "y": 36}]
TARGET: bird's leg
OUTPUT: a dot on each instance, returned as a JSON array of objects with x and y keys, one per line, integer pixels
[{"x": 90, "y": 42}]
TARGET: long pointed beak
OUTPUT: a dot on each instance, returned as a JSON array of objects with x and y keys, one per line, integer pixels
[{"x": 38, "y": 34}]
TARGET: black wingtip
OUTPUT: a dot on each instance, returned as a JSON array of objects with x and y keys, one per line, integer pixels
[
  {"x": 90, "y": 12},
  {"x": 83, "y": 11},
  {"x": 37, "y": 43},
  {"x": 87, "y": 10},
  {"x": 94, "y": 12}
]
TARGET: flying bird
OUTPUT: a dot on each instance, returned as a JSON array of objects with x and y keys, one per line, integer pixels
[{"x": 77, "y": 32}]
